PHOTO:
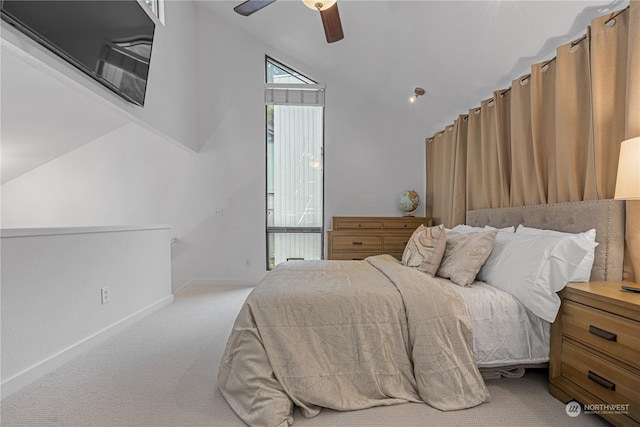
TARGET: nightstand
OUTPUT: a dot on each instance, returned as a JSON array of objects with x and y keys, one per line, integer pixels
[{"x": 595, "y": 350}]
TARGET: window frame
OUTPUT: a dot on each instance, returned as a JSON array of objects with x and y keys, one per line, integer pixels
[
  {"x": 155, "y": 10},
  {"x": 311, "y": 84}
]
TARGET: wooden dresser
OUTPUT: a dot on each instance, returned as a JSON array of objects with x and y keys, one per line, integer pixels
[
  {"x": 595, "y": 351},
  {"x": 355, "y": 237}
]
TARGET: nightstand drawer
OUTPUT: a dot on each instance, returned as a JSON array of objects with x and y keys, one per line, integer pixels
[
  {"x": 357, "y": 243},
  {"x": 395, "y": 243},
  {"x": 603, "y": 379},
  {"x": 614, "y": 335}
]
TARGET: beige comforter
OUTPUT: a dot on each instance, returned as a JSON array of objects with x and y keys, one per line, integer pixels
[{"x": 348, "y": 335}]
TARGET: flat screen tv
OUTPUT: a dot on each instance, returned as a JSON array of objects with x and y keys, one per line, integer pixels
[{"x": 111, "y": 41}]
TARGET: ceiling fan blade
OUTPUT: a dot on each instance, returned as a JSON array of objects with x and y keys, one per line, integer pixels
[
  {"x": 251, "y": 6},
  {"x": 331, "y": 23}
]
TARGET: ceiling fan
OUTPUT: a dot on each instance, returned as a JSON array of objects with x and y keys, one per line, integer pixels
[{"x": 328, "y": 12}]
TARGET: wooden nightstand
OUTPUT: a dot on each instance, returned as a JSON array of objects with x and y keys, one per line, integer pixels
[
  {"x": 595, "y": 350},
  {"x": 354, "y": 237}
]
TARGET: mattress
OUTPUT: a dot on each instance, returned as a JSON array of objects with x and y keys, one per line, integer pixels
[{"x": 505, "y": 333}]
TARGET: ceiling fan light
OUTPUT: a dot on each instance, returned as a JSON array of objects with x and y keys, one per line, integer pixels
[
  {"x": 319, "y": 4},
  {"x": 417, "y": 92}
]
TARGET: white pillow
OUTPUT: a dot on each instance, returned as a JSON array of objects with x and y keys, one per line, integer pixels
[
  {"x": 533, "y": 267},
  {"x": 511, "y": 229},
  {"x": 464, "y": 228},
  {"x": 583, "y": 272}
]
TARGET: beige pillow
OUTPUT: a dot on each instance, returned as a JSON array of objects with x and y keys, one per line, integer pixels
[
  {"x": 465, "y": 254},
  {"x": 425, "y": 249}
]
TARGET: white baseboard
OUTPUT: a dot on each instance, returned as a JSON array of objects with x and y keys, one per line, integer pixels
[
  {"x": 31, "y": 374},
  {"x": 213, "y": 282}
]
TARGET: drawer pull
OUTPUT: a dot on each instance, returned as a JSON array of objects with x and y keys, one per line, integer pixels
[
  {"x": 602, "y": 333},
  {"x": 602, "y": 381},
  {"x": 357, "y": 243}
]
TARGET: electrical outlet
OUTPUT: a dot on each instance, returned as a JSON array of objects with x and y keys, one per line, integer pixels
[
  {"x": 218, "y": 212},
  {"x": 105, "y": 295}
]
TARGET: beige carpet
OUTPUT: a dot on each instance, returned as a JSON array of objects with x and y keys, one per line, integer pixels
[{"x": 162, "y": 372}]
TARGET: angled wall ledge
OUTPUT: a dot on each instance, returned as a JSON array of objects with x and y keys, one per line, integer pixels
[{"x": 54, "y": 282}]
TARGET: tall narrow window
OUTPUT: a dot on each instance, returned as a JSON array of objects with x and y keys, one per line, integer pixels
[
  {"x": 156, "y": 7},
  {"x": 294, "y": 140}
]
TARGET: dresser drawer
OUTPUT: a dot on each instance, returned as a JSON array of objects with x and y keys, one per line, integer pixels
[
  {"x": 359, "y": 237},
  {"x": 406, "y": 224},
  {"x": 350, "y": 224},
  {"x": 357, "y": 243},
  {"x": 614, "y": 335},
  {"x": 603, "y": 379},
  {"x": 395, "y": 243}
]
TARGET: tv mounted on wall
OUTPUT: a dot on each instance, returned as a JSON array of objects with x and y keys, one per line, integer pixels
[{"x": 110, "y": 41}]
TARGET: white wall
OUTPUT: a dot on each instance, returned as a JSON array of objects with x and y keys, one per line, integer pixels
[
  {"x": 372, "y": 153},
  {"x": 51, "y": 291},
  {"x": 133, "y": 176},
  {"x": 170, "y": 107}
]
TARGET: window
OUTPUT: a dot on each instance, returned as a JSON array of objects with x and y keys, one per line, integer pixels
[
  {"x": 294, "y": 152},
  {"x": 156, "y": 7}
]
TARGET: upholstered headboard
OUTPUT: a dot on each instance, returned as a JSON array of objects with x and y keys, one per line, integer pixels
[{"x": 606, "y": 216}]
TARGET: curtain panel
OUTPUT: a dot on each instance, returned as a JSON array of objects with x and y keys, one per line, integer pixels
[
  {"x": 632, "y": 129},
  {"x": 553, "y": 136}
]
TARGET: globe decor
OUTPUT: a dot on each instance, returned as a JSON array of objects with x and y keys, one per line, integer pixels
[{"x": 408, "y": 202}]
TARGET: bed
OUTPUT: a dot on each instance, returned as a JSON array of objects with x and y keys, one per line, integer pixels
[{"x": 351, "y": 335}]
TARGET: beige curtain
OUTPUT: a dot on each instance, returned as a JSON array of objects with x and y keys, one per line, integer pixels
[
  {"x": 553, "y": 136},
  {"x": 488, "y": 153},
  {"x": 525, "y": 188},
  {"x": 543, "y": 129},
  {"x": 502, "y": 102},
  {"x": 430, "y": 162},
  {"x": 574, "y": 137},
  {"x": 490, "y": 186},
  {"x": 436, "y": 178},
  {"x": 632, "y": 129},
  {"x": 633, "y": 71},
  {"x": 453, "y": 172},
  {"x": 459, "y": 202},
  {"x": 475, "y": 197},
  {"x": 609, "y": 86},
  {"x": 444, "y": 149}
]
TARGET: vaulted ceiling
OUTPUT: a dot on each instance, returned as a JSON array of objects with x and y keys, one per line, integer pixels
[{"x": 458, "y": 51}]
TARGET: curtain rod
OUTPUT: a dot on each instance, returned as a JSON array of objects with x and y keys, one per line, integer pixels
[{"x": 615, "y": 14}]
